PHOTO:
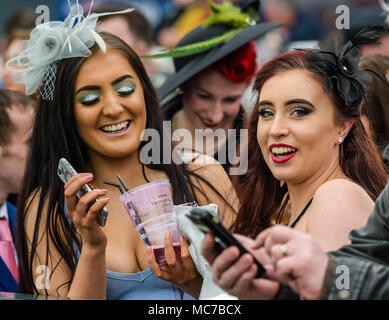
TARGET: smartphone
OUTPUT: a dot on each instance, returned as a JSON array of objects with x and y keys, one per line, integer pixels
[
  {"x": 65, "y": 171},
  {"x": 208, "y": 223}
]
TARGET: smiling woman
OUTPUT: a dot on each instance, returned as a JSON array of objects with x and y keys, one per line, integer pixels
[
  {"x": 101, "y": 103},
  {"x": 311, "y": 164},
  {"x": 306, "y": 126},
  {"x": 214, "y": 65},
  {"x": 111, "y": 113},
  {"x": 211, "y": 100}
]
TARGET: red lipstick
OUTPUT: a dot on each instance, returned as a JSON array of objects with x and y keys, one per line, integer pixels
[{"x": 285, "y": 158}]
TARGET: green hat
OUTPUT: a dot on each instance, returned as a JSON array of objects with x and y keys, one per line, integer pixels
[{"x": 227, "y": 29}]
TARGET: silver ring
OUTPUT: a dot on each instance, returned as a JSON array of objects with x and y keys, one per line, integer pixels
[{"x": 284, "y": 250}]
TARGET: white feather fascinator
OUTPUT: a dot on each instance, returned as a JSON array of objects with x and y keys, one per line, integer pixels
[
  {"x": 53, "y": 41},
  {"x": 385, "y": 6}
]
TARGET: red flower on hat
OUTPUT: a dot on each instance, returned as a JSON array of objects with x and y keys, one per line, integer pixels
[{"x": 240, "y": 65}]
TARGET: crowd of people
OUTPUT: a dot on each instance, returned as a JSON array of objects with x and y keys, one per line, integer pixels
[{"x": 278, "y": 121}]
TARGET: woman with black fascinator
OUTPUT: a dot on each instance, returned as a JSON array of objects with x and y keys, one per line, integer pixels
[{"x": 307, "y": 148}]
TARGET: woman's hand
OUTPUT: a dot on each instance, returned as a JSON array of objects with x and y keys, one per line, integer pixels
[
  {"x": 82, "y": 214},
  {"x": 182, "y": 273},
  {"x": 89, "y": 281},
  {"x": 237, "y": 275}
]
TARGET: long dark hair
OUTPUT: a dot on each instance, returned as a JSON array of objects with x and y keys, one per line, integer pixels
[
  {"x": 377, "y": 99},
  {"x": 262, "y": 197},
  {"x": 55, "y": 136}
]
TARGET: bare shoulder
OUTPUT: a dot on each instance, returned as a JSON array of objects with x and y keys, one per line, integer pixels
[
  {"x": 342, "y": 191},
  {"x": 54, "y": 261},
  {"x": 212, "y": 185},
  {"x": 338, "y": 207},
  {"x": 31, "y": 212},
  {"x": 198, "y": 159},
  {"x": 30, "y": 225},
  {"x": 204, "y": 164}
]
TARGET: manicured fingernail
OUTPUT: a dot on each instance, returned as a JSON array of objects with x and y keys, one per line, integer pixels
[
  {"x": 167, "y": 235},
  {"x": 268, "y": 267},
  {"x": 181, "y": 239}
]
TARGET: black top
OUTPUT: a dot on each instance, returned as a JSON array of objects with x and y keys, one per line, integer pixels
[
  {"x": 301, "y": 214},
  {"x": 174, "y": 105}
]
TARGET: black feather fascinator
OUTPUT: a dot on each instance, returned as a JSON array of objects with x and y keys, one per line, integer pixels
[{"x": 340, "y": 67}]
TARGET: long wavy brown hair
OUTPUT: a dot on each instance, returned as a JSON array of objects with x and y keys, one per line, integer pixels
[
  {"x": 263, "y": 198},
  {"x": 54, "y": 136}
]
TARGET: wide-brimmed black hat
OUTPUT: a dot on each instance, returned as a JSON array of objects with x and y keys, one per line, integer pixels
[
  {"x": 363, "y": 19},
  {"x": 188, "y": 66}
]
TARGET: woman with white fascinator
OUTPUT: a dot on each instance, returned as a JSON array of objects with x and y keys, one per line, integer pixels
[{"x": 95, "y": 101}]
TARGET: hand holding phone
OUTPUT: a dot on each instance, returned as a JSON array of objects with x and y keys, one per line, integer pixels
[
  {"x": 208, "y": 223},
  {"x": 65, "y": 171}
]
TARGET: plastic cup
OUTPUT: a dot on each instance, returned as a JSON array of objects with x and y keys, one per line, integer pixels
[
  {"x": 151, "y": 210},
  {"x": 159, "y": 221}
]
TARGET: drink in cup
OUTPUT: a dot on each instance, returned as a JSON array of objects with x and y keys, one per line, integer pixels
[{"x": 151, "y": 210}]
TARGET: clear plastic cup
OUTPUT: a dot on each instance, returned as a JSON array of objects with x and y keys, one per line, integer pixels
[
  {"x": 151, "y": 210},
  {"x": 156, "y": 237},
  {"x": 160, "y": 220},
  {"x": 156, "y": 234}
]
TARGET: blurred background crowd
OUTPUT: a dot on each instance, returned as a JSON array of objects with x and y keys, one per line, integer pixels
[
  {"x": 162, "y": 23},
  {"x": 158, "y": 25}
]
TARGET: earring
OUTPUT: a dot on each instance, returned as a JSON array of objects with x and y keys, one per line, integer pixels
[{"x": 340, "y": 139}]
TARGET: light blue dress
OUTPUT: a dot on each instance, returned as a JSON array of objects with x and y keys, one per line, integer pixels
[{"x": 141, "y": 286}]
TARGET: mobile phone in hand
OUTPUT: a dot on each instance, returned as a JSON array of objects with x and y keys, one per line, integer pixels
[
  {"x": 65, "y": 171},
  {"x": 208, "y": 223}
]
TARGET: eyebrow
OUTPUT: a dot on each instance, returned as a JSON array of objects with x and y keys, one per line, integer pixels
[
  {"x": 209, "y": 93},
  {"x": 116, "y": 81},
  {"x": 293, "y": 101}
]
